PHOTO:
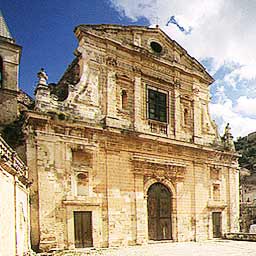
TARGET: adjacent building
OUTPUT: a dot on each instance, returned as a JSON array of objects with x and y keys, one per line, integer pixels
[
  {"x": 247, "y": 147},
  {"x": 123, "y": 150},
  {"x": 14, "y": 212},
  {"x": 14, "y": 183},
  {"x": 9, "y": 66}
]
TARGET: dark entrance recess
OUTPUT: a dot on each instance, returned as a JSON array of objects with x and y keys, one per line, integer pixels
[
  {"x": 159, "y": 212},
  {"x": 216, "y": 224},
  {"x": 83, "y": 229}
]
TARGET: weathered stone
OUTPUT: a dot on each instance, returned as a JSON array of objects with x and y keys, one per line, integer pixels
[{"x": 103, "y": 131}]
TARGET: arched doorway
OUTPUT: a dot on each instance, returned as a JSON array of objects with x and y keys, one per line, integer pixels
[{"x": 159, "y": 212}]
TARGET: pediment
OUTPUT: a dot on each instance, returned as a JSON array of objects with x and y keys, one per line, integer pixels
[{"x": 152, "y": 42}]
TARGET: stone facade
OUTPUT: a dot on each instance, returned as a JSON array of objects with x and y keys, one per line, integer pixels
[
  {"x": 9, "y": 65},
  {"x": 14, "y": 212},
  {"x": 247, "y": 199},
  {"x": 128, "y": 118}
]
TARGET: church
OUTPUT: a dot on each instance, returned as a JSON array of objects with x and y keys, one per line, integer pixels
[{"x": 122, "y": 150}]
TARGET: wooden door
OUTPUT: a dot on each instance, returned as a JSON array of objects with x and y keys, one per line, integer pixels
[
  {"x": 159, "y": 212},
  {"x": 216, "y": 224},
  {"x": 83, "y": 229}
]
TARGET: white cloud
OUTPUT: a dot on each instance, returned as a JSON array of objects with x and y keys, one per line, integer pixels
[
  {"x": 239, "y": 74},
  {"x": 224, "y": 113},
  {"x": 223, "y": 30},
  {"x": 246, "y": 106}
]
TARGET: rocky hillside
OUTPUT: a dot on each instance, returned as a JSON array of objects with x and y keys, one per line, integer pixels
[{"x": 246, "y": 146}]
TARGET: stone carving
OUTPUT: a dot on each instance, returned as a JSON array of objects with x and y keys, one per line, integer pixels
[
  {"x": 111, "y": 61},
  {"x": 89, "y": 92},
  {"x": 228, "y": 139},
  {"x": 196, "y": 90},
  {"x": 159, "y": 169},
  {"x": 42, "y": 77}
]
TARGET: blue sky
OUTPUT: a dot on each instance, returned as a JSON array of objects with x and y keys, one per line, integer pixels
[
  {"x": 207, "y": 29},
  {"x": 45, "y": 31}
]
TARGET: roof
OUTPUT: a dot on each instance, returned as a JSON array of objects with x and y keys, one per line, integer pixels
[{"x": 4, "y": 30}]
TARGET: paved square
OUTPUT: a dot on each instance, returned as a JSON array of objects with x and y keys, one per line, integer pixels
[{"x": 208, "y": 248}]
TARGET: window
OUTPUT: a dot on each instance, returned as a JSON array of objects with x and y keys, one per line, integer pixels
[
  {"x": 156, "y": 47},
  {"x": 185, "y": 116},
  {"x": 82, "y": 184},
  {"x": 124, "y": 99},
  {"x": 157, "y": 105}
]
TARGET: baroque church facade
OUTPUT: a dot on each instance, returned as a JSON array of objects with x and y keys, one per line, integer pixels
[{"x": 123, "y": 150}]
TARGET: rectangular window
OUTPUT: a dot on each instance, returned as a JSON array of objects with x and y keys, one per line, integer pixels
[{"x": 157, "y": 105}]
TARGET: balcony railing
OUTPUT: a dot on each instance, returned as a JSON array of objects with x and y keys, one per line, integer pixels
[
  {"x": 10, "y": 157},
  {"x": 158, "y": 127}
]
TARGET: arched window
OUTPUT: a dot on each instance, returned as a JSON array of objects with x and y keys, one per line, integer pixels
[
  {"x": 1, "y": 72},
  {"x": 82, "y": 184},
  {"x": 124, "y": 99}
]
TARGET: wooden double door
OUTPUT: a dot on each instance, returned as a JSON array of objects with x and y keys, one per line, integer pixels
[
  {"x": 83, "y": 229},
  {"x": 159, "y": 212}
]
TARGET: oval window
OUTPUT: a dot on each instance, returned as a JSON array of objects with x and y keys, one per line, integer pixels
[{"x": 156, "y": 47}]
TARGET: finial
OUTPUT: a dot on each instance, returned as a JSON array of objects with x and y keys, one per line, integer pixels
[{"x": 42, "y": 77}]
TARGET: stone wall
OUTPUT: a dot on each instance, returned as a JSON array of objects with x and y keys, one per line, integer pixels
[
  {"x": 241, "y": 236},
  {"x": 97, "y": 150},
  {"x": 119, "y": 170},
  {"x": 10, "y": 54}
]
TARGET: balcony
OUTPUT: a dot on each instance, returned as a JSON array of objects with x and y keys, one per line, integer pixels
[{"x": 158, "y": 127}]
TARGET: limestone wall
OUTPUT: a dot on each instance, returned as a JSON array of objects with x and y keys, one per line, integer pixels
[
  {"x": 10, "y": 55},
  {"x": 118, "y": 173},
  {"x": 7, "y": 217},
  {"x": 95, "y": 148},
  {"x": 14, "y": 216},
  {"x": 107, "y": 71}
]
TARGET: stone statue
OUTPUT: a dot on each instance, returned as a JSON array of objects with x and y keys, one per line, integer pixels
[
  {"x": 228, "y": 139},
  {"x": 42, "y": 77}
]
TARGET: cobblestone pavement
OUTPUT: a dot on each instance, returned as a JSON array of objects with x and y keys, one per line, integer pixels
[{"x": 208, "y": 248}]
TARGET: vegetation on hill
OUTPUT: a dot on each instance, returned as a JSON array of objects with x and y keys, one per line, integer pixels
[{"x": 246, "y": 146}]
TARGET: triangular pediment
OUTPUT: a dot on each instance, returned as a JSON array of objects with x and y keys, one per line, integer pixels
[{"x": 152, "y": 42}]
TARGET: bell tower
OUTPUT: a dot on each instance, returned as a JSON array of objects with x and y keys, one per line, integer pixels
[{"x": 9, "y": 67}]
